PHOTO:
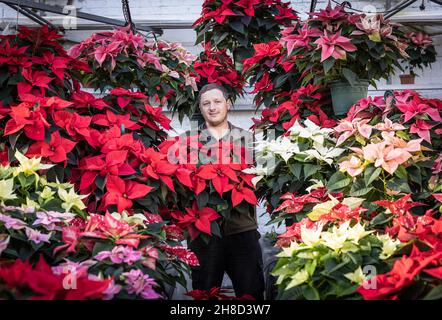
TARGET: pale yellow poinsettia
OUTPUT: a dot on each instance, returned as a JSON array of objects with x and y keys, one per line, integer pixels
[
  {"x": 7, "y": 190},
  {"x": 136, "y": 219},
  {"x": 311, "y": 237},
  {"x": 357, "y": 276},
  {"x": 71, "y": 199},
  {"x": 357, "y": 232},
  {"x": 47, "y": 193},
  {"x": 298, "y": 278},
  {"x": 389, "y": 246},
  {"x": 29, "y": 166}
]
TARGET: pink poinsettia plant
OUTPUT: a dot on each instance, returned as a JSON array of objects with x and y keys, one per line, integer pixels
[
  {"x": 336, "y": 45},
  {"x": 420, "y": 50},
  {"x": 121, "y": 58},
  {"x": 392, "y": 145}
]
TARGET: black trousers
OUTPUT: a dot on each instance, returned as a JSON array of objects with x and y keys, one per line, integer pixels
[{"x": 239, "y": 255}]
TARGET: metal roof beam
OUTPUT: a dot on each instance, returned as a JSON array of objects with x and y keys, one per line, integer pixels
[
  {"x": 33, "y": 16},
  {"x": 313, "y": 5},
  {"x": 79, "y": 14},
  {"x": 404, "y": 4},
  {"x": 437, "y": 1}
]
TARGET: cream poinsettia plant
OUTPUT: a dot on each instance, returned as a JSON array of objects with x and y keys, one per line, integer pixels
[
  {"x": 330, "y": 261},
  {"x": 23, "y": 186},
  {"x": 287, "y": 163}
]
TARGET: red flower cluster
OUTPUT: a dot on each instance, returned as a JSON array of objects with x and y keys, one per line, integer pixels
[
  {"x": 20, "y": 277},
  {"x": 293, "y": 203},
  {"x": 306, "y": 102},
  {"x": 216, "y": 293},
  {"x": 220, "y": 11},
  {"x": 181, "y": 253},
  {"x": 38, "y": 63},
  {"x": 216, "y": 66},
  {"x": 268, "y": 53},
  {"x": 406, "y": 226},
  {"x": 407, "y": 269},
  {"x": 388, "y": 286},
  {"x": 196, "y": 220},
  {"x": 219, "y": 177},
  {"x": 99, "y": 227}
]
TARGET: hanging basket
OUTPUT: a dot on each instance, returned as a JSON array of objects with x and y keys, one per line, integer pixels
[{"x": 345, "y": 95}]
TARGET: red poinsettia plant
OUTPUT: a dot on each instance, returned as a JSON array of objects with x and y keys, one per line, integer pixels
[
  {"x": 22, "y": 281},
  {"x": 416, "y": 274},
  {"x": 121, "y": 58},
  {"x": 216, "y": 66},
  {"x": 310, "y": 102},
  {"x": 212, "y": 184},
  {"x": 34, "y": 61},
  {"x": 237, "y": 25},
  {"x": 96, "y": 143},
  {"x": 269, "y": 73}
]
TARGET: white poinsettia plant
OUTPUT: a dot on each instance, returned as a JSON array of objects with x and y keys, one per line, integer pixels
[{"x": 287, "y": 163}]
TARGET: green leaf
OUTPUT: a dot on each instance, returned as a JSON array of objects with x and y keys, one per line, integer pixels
[
  {"x": 238, "y": 26},
  {"x": 380, "y": 219},
  {"x": 359, "y": 189},
  {"x": 311, "y": 293},
  {"x": 214, "y": 227},
  {"x": 371, "y": 174},
  {"x": 399, "y": 185},
  {"x": 218, "y": 38},
  {"x": 434, "y": 294},
  {"x": 401, "y": 173},
  {"x": 280, "y": 80},
  {"x": 202, "y": 199},
  {"x": 415, "y": 175},
  {"x": 295, "y": 169},
  {"x": 328, "y": 64},
  {"x": 310, "y": 169},
  {"x": 350, "y": 76},
  {"x": 100, "y": 182},
  {"x": 337, "y": 181}
]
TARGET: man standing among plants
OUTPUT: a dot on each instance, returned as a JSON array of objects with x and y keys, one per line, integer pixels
[{"x": 237, "y": 251}]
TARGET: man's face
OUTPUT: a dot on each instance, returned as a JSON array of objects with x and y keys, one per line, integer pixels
[{"x": 214, "y": 107}]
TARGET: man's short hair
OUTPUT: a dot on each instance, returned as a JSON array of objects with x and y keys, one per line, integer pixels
[{"x": 211, "y": 86}]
